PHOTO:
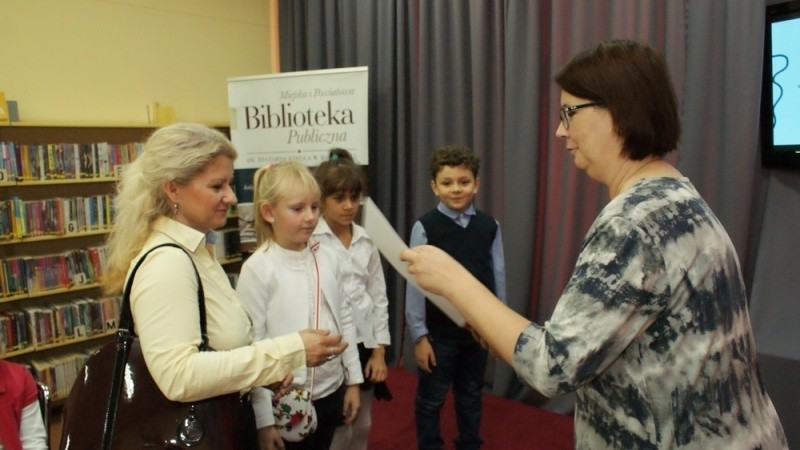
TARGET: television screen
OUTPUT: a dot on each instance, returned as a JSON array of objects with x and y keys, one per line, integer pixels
[{"x": 780, "y": 98}]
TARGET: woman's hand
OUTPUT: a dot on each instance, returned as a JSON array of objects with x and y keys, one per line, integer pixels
[
  {"x": 321, "y": 346},
  {"x": 375, "y": 369},
  {"x": 433, "y": 268},
  {"x": 270, "y": 439},
  {"x": 352, "y": 403},
  {"x": 497, "y": 326}
]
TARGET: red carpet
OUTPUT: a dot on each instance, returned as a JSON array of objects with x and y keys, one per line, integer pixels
[{"x": 506, "y": 424}]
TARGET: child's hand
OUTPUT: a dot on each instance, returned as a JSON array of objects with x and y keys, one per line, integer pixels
[
  {"x": 482, "y": 341},
  {"x": 423, "y": 352},
  {"x": 269, "y": 438},
  {"x": 352, "y": 403},
  {"x": 280, "y": 388},
  {"x": 375, "y": 369}
]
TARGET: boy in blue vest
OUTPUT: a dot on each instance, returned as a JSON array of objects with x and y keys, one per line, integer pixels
[{"x": 446, "y": 353}]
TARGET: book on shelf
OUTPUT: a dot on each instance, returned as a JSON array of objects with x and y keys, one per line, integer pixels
[
  {"x": 13, "y": 325},
  {"x": 6, "y": 165},
  {"x": 49, "y": 162},
  {"x": 55, "y": 216},
  {"x": 227, "y": 244},
  {"x": 59, "y": 373},
  {"x": 6, "y": 227},
  {"x": 4, "y": 115},
  {"x": 88, "y": 158},
  {"x": 71, "y": 161},
  {"x": 13, "y": 280},
  {"x": 41, "y": 324},
  {"x": 11, "y": 167},
  {"x": 15, "y": 163},
  {"x": 37, "y": 326},
  {"x": 40, "y": 274},
  {"x": 57, "y": 161},
  {"x": 243, "y": 181},
  {"x": 103, "y": 161}
]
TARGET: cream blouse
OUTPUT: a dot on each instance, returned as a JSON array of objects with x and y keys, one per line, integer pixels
[{"x": 165, "y": 310}]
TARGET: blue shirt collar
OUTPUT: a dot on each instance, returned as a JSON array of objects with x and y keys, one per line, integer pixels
[{"x": 453, "y": 214}]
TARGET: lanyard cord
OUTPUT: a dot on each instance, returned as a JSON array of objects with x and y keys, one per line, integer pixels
[{"x": 316, "y": 319}]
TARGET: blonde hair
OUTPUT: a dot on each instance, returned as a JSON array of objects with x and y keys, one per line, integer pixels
[
  {"x": 272, "y": 183},
  {"x": 176, "y": 152}
]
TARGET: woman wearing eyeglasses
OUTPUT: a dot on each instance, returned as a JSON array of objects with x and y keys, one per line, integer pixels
[{"x": 652, "y": 330}]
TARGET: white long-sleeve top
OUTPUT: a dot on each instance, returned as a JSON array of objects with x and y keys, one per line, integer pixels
[
  {"x": 363, "y": 282},
  {"x": 279, "y": 290},
  {"x": 165, "y": 310},
  {"x": 32, "y": 434}
]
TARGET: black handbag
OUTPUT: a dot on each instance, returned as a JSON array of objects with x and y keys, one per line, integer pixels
[{"x": 115, "y": 403}]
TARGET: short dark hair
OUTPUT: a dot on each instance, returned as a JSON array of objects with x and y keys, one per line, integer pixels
[
  {"x": 454, "y": 156},
  {"x": 340, "y": 173},
  {"x": 631, "y": 79}
]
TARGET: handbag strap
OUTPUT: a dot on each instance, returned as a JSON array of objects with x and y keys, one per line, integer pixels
[
  {"x": 126, "y": 317},
  {"x": 126, "y": 333}
]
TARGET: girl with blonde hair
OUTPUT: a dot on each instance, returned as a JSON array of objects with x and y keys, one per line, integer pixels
[{"x": 290, "y": 283}]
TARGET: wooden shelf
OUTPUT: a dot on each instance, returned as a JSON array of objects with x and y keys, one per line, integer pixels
[
  {"x": 78, "y": 124},
  {"x": 53, "y": 237},
  {"x": 64, "y": 131},
  {"x": 8, "y": 184},
  {"x": 49, "y": 292},
  {"x": 224, "y": 261},
  {"x": 99, "y": 124},
  {"x": 37, "y": 348}
]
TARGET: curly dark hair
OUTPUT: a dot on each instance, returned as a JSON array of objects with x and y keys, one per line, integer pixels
[{"x": 454, "y": 156}]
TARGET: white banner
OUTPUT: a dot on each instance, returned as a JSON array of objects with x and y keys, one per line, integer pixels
[{"x": 299, "y": 115}]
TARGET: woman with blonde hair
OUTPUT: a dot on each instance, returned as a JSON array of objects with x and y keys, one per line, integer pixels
[{"x": 177, "y": 191}]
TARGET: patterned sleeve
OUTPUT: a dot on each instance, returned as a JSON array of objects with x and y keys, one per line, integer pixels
[{"x": 617, "y": 289}]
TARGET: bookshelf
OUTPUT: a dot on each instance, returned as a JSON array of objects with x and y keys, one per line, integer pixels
[
  {"x": 52, "y": 310},
  {"x": 59, "y": 315}
]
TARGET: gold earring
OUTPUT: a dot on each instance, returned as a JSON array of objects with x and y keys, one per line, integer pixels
[{"x": 175, "y": 208}]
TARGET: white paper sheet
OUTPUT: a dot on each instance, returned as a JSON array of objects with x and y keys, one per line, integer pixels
[{"x": 390, "y": 245}]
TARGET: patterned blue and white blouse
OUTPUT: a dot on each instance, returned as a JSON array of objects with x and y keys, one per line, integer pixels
[{"x": 653, "y": 332}]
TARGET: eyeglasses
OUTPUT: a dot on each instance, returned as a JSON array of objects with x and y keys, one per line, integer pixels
[{"x": 569, "y": 111}]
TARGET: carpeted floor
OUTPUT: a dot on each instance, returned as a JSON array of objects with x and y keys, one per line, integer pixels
[{"x": 506, "y": 424}]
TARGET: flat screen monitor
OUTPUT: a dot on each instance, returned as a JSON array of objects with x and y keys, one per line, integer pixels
[{"x": 780, "y": 97}]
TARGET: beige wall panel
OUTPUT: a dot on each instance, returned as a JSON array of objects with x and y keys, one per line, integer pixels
[{"x": 107, "y": 60}]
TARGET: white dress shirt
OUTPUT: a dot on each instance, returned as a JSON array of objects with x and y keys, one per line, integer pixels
[{"x": 363, "y": 283}]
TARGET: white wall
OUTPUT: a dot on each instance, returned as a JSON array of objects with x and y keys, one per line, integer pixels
[
  {"x": 107, "y": 60},
  {"x": 775, "y": 298}
]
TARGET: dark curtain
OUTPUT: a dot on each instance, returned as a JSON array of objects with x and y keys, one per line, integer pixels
[{"x": 479, "y": 73}]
